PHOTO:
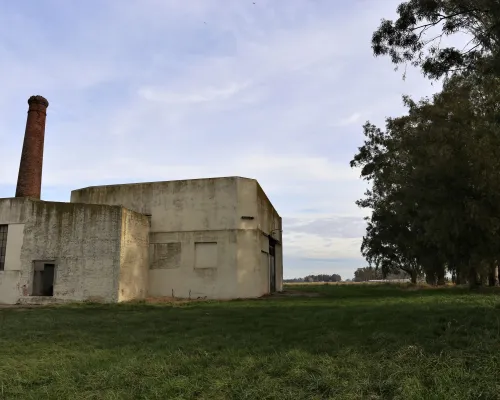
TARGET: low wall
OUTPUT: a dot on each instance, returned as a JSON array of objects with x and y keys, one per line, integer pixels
[{"x": 83, "y": 241}]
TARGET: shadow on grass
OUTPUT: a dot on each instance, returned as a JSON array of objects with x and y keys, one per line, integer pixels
[
  {"x": 388, "y": 290},
  {"x": 435, "y": 321}
]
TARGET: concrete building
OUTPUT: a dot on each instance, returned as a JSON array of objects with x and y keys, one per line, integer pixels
[{"x": 217, "y": 238}]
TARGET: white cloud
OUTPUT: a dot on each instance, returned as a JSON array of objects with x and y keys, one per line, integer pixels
[
  {"x": 161, "y": 89},
  {"x": 311, "y": 246},
  {"x": 206, "y": 95},
  {"x": 353, "y": 118},
  {"x": 286, "y": 171}
]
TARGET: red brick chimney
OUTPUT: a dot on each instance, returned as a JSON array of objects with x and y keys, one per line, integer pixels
[{"x": 29, "y": 181}]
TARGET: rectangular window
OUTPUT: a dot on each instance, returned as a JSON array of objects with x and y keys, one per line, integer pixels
[
  {"x": 3, "y": 245},
  {"x": 205, "y": 255},
  {"x": 165, "y": 255}
]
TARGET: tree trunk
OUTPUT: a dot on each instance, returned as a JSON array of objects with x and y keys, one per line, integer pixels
[
  {"x": 459, "y": 278},
  {"x": 430, "y": 278},
  {"x": 493, "y": 276},
  {"x": 441, "y": 277},
  {"x": 473, "y": 278},
  {"x": 413, "y": 276}
]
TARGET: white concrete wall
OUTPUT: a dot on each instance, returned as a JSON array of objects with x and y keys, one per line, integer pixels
[
  {"x": 252, "y": 276},
  {"x": 12, "y": 213},
  {"x": 254, "y": 202},
  {"x": 175, "y": 206},
  {"x": 82, "y": 240},
  {"x": 13, "y": 210},
  {"x": 15, "y": 237},
  {"x": 175, "y": 272},
  {"x": 183, "y": 213},
  {"x": 9, "y": 287},
  {"x": 232, "y": 212},
  {"x": 9, "y": 277},
  {"x": 134, "y": 256},
  {"x": 270, "y": 223}
]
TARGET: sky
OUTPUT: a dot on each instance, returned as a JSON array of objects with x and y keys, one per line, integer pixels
[{"x": 276, "y": 90}]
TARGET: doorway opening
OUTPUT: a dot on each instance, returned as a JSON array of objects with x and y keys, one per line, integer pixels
[
  {"x": 43, "y": 278},
  {"x": 272, "y": 265}
]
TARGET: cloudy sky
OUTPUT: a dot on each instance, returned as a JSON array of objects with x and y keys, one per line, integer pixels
[{"x": 145, "y": 90}]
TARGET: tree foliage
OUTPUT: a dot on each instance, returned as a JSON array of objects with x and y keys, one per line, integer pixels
[
  {"x": 372, "y": 273},
  {"x": 323, "y": 278},
  {"x": 435, "y": 183},
  {"x": 367, "y": 274},
  {"x": 435, "y": 172},
  {"x": 317, "y": 278},
  {"x": 416, "y": 36}
]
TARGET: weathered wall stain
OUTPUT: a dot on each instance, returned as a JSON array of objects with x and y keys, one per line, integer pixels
[
  {"x": 85, "y": 242},
  {"x": 104, "y": 246},
  {"x": 201, "y": 210}
]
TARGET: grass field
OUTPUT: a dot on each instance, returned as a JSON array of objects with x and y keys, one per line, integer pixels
[{"x": 349, "y": 342}]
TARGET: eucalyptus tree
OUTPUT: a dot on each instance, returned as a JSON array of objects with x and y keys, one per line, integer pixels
[
  {"x": 415, "y": 37},
  {"x": 435, "y": 184}
]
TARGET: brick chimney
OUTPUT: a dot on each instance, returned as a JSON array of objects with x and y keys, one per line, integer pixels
[{"x": 29, "y": 181}]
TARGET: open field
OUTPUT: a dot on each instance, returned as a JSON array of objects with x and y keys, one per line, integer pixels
[
  {"x": 339, "y": 283},
  {"x": 348, "y": 342}
]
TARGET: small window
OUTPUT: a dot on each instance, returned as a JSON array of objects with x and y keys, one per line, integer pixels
[
  {"x": 165, "y": 255},
  {"x": 205, "y": 255},
  {"x": 3, "y": 245}
]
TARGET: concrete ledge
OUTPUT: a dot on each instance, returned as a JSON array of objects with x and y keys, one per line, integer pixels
[{"x": 40, "y": 300}]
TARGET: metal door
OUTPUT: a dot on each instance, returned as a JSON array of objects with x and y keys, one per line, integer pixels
[{"x": 272, "y": 267}]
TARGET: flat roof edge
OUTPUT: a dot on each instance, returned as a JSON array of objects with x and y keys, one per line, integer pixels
[{"x": 158, "y": 182}]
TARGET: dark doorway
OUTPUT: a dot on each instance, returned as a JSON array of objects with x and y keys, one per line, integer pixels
[
  {"x": 272, "y": 266},
  {"x": 43, "y": 278}
]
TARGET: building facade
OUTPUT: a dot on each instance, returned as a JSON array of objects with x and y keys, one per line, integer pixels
[{"x": 217, "y": 238}]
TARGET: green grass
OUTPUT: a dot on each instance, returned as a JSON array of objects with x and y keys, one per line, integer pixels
[{"x": 352, "y": 342}]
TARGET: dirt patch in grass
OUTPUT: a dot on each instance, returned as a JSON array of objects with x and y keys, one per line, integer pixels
[
  {"x": 22, "y": 306},
  {"x": 283, "y": 294},
  {"x": 170, "y": 300},
  {"x": 291, "y": 293}
]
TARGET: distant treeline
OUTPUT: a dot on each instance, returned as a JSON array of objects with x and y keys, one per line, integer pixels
[
  {"x": 316, "y": 278},
  {"x": 360, "y": 275},
  {"x": 370, "y": 273}
]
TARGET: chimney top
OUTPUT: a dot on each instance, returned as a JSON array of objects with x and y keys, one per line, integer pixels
[{"x": 38, "y": 100}]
